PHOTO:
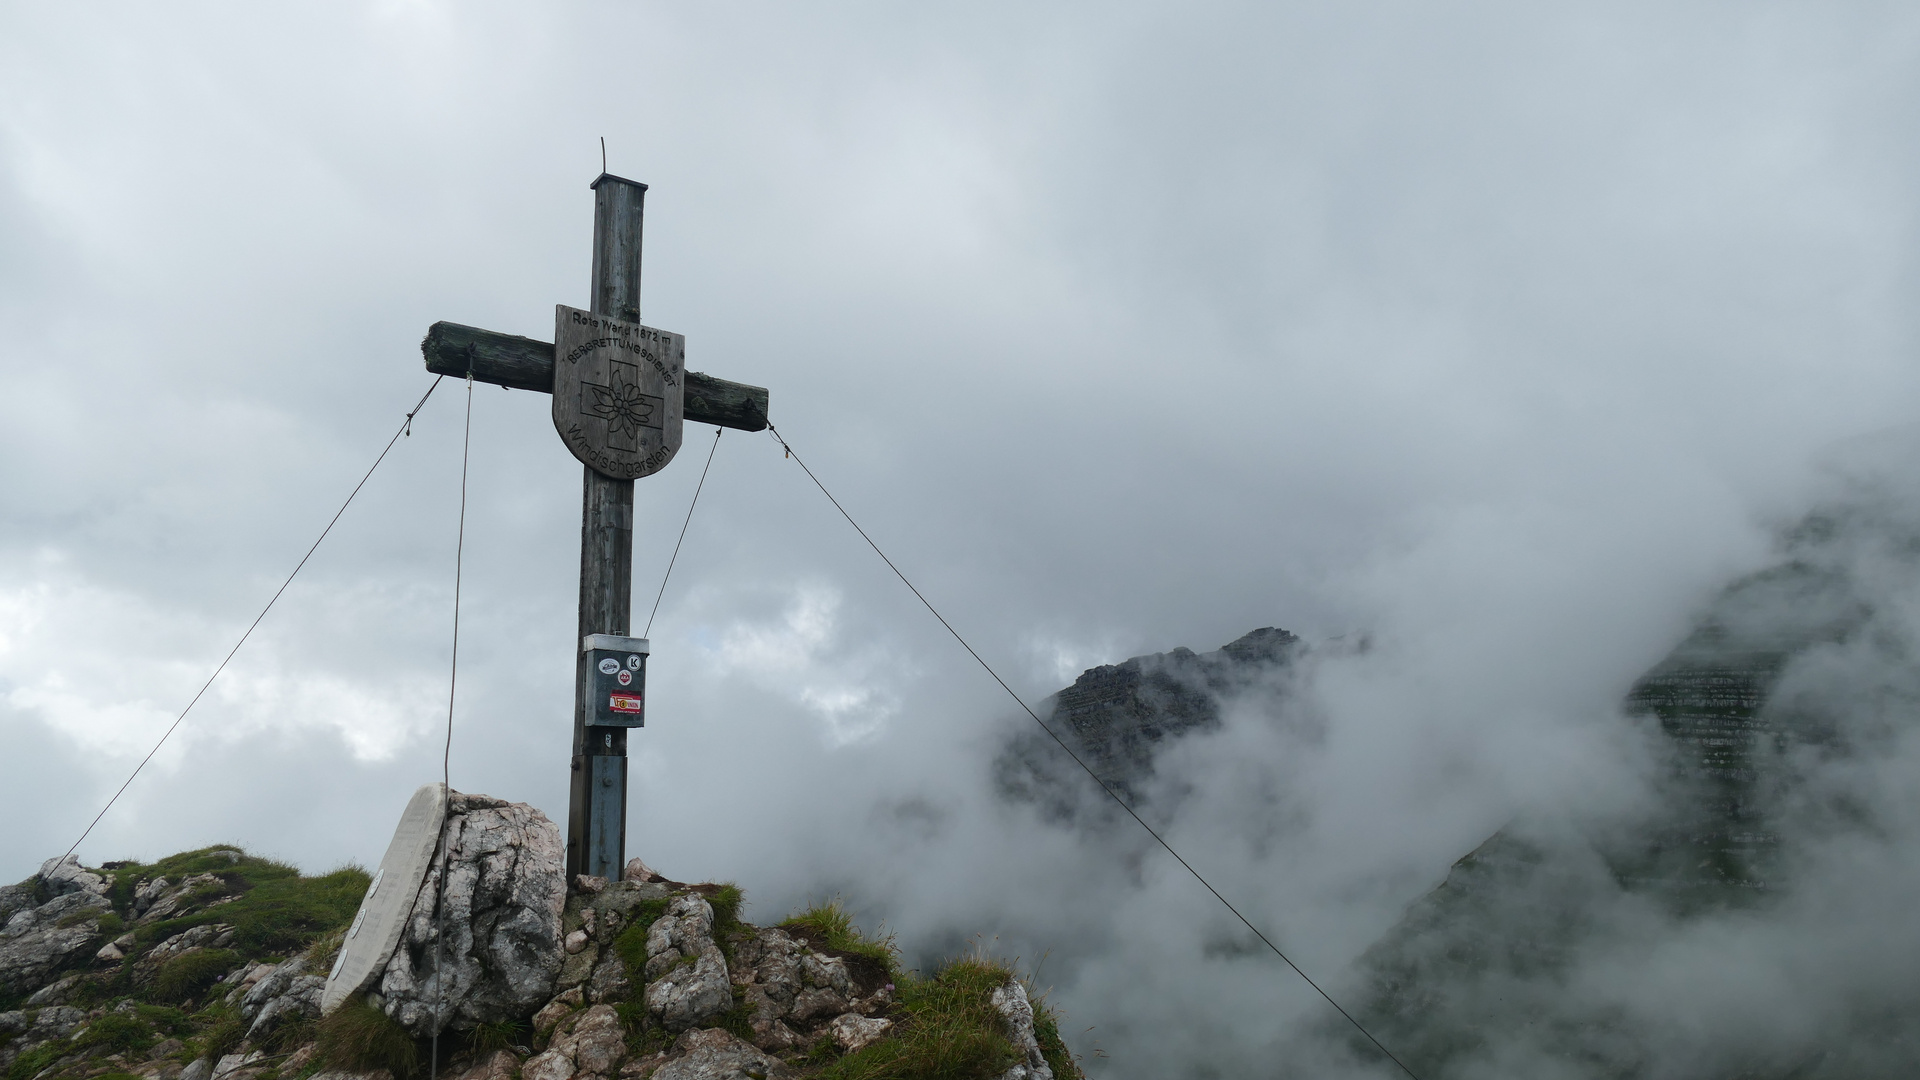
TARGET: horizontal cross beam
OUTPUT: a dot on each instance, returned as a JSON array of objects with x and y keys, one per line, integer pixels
[{"x": 526, "y": 364}]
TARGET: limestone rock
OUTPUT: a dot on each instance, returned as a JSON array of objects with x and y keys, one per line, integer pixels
[
  {"x": 33, "y": 1026},
  {"x": 232, "y": 1064},
  {"x": 817, "y": 1002},
  {"x": 337, "y": 1074},
  {"x": 851, "y": 1031},
  {"x": 1011, "y": 1002},
  {"x": 54, "y": 993},
  {"x": 16, "y": 898},
  {"x": 200, "y": 1069},
  {"x": 500, "y": 1066},
  {"x": 593, "y": 921},
  {"x": 775, "y": 1035},
  {"x": 34, "y": 944},
  {"x": 204, "y": 936},
  {"x": 62, "y": 875},
  {"x": 595, "y": 1046},
  {"x": 561, "y": 1007},
  {"x": 687, "y": 974},
  {"x": 286, "y": 992},
  {"x": 505, "y": 893},
  {"x": 147, "y": 892},
  {"x": 713, "y": 1054},
  {"x": 639, "y": 871},
  {"x": 769, "y": 968},
  {"x": 173, "y": 900},
  {"x": 685, "y": 928},
  {"x": 297, "y": 1061},
  {"x": 790, "y": 989},
  {"x": 826, "y": 972},
  {"x": 609, "y": 981}
]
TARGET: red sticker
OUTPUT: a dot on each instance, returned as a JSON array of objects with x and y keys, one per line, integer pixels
[
  {"x": 623, "y": 703},
  {"x": 624, "y": 677}
]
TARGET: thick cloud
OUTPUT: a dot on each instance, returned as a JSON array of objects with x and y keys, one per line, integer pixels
[{"x": 1498, "y": 332}]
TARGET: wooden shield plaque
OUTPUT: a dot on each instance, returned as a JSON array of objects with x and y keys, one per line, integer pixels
[
  {"x": 375, "y": 930},
  {"x": 618, "y": 392}
]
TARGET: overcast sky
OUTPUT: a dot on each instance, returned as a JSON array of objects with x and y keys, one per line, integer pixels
[{"x": 1499, "y": 332}]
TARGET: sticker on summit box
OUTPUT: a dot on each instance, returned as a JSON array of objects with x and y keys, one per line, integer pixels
[
  {"x": 624, "y": 677},
  {"x": 609, "y": 666},
  {"x": 623, "y": 703}
]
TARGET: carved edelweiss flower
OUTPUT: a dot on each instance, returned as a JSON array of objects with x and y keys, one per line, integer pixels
[{"x": 622, "y": 405}]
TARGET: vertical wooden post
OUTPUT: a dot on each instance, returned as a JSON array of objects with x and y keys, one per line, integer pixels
[{"x": 597, "y": 806}]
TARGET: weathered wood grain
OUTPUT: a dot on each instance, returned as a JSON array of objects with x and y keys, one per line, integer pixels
[
  {"x": 725, "y": 404},
  {"x": 503, "y": 359},
  {"x": 597, "y": 820},
  {"x": 526, "y": 364}
]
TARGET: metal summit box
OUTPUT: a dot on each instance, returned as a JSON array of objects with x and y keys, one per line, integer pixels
[{"x": 618, "y": 667}]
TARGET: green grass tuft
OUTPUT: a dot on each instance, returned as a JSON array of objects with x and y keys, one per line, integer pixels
[
  {"x": 356, "y": 1037},
  {"x": 1046, "y": 1031},
  {"x": 115, "y": 1033},
  {"x": 221, "y": 1029},
  {"x": 489, "y": 1038},
  {"x": 275, "y": 911},
  {"x": 945, "y": 1028},
  {"x": 738, "y": 1021},
  {"x": 187, "y": 976},
  {"x": 325, "y": 950},
  {"x": 829, "y": 924},
  {"x": 631, "y": 946},
  {"x": 38, "y": 1060},
  {"x": 165, "y": 1020},
  {"x": 726, "y": 902},
  {"x": 84, "y": 915}
]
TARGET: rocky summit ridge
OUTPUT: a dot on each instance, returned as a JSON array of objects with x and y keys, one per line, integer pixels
[{"x": 211, "y": 965}]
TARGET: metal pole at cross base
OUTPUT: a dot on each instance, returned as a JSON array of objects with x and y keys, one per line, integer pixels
[{"x": 597, "y": 806}]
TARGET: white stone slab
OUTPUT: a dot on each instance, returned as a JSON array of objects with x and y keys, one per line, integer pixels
[{"x": 383, "y": 912}]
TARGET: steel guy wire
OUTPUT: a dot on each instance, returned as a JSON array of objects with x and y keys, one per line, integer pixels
[
  {"x": 446, "y": 753},
  {"x": 683, "y": 531},
  {"x": 405, "y": 428},
  {"x": 1115, "y": 796}
]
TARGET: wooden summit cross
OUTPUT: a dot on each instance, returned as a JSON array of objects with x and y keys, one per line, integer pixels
[{"x": 620, "y": 393}]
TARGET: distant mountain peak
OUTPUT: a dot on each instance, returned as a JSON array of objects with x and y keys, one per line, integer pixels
[{"x": 1117, "y": 716}]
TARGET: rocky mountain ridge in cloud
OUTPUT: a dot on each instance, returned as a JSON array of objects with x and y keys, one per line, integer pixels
[
  {"x": 1759, "y": 719},
  {"x": 1117, "y": 717}
]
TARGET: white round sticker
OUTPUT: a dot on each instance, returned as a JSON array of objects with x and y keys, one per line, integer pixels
[
  {"x": 625, "y": 677},
  {"x": 609, "y": 666},
  {"x": 634, "y": 661}
]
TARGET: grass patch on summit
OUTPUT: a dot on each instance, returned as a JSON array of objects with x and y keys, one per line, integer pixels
[
  {"x": 186, "y": 977},
  {"x": 829, "y": 925},
  {"x": 357, "y": 1037},
  {"x": 115, "y": 1033},
  {"x": 273, "y": 909},
  {"x": 945, "y": 1028}
]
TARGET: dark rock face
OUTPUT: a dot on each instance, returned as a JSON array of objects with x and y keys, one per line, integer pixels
[
  {"x": 1481, "y": 965},
  {"x": 1117, "y": 716},
  {"x": 1716, "y": 837}
]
